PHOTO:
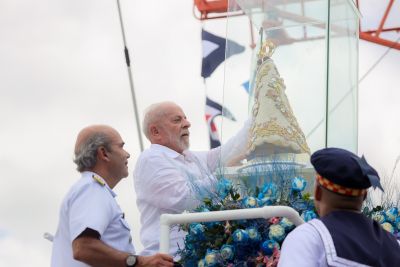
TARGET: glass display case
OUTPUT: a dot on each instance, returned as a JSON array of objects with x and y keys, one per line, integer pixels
[{"x": 302, "y": 79}]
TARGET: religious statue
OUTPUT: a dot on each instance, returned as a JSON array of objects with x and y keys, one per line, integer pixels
[{"x": 274, "y": 129}]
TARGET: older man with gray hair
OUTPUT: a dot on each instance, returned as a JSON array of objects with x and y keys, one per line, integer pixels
[
  {"x": 166, "y": 172},
  {"x": 92, "y": 230}
]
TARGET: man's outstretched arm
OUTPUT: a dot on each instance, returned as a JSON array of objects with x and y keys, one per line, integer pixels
[{"x": 89, "y": 249}]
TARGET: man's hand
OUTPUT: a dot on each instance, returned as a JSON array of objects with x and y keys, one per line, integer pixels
[{"x": 162, "y": 260}]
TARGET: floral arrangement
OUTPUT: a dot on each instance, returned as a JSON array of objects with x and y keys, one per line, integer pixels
[
  {"x": 253, "y": 242},
  {"x": 383, "y": 207},
  {"x": 257, "y": 242},
  {"x": 388, "y": 218}
]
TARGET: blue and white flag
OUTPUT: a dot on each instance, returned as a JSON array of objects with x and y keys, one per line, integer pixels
[
  {"x": 214, "y": 51},
  {"x": 213, "y": 109}
]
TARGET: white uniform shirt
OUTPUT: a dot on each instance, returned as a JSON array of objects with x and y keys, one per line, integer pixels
[
  {"x": 311, "y": 245},
  {"x": 163, "y": 179},
  {"x": 303, "y": 247},
  {"x": 89, "y": 204}
]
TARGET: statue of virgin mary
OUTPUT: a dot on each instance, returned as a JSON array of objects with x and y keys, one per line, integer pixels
[{"x": 274, "y": 129}]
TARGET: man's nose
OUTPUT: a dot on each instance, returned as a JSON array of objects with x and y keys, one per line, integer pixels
[{"x": 186, "y": 123}]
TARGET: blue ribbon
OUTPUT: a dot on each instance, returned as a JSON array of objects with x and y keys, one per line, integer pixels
[{"x": 366, "y": 170}]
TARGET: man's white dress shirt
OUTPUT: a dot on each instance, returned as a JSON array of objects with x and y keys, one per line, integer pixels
[
  {"x": 163, "y": 181},
  {"x": 90, "y": 203}
]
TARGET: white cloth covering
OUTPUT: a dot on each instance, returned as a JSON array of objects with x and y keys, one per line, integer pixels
[
  {"x": 89, "y": 204},
  {"x": 162, "y": 180}
]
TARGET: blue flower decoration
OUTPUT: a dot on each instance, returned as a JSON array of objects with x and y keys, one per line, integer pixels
[
  {"x": 298, "y": 184},
  {"x": 388, "y": 227},
  {"x": 299, "y": 205},
  {"x": 270, "y": 190},
  {"x": 202, "y": 263},
  {"x": 197, "y": 230},
  {"x": 276, "y": 232},
  {"x": 268, "y": 246},
  {"x": 254, "y": 235},
  {"x": 286, "y": 224},
  {"x": 189, "y": 244},
  {"x": 397, "y": 224},
  {"x": 240, "y": 236},
  {"x": 265, "y": 201},
  {"x": 227, "y": 252},
  {"x": 212, "y": 258},
  {"x": 250, "y": 202},
  {"x": 379, "y": 217},
  {"x": 391, "y": 214},
  {"x": 308, "y": 215},
  {"x": 223, "y": 187}
]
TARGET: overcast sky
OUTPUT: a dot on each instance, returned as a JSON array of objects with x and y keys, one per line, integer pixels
[{"x": 62, "y": 68}]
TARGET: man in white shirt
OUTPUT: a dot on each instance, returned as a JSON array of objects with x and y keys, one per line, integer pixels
[
  {"x": 92, "y": 230},
  {"x": 166, "y": 172}
]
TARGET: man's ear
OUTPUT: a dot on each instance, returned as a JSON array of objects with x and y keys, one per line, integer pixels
[
  {"x": 102, "y": 153},
  {"x": 317, "y": 192},
  {"x": 154, "y": 131}
]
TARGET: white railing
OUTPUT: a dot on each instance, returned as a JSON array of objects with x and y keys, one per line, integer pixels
[{"x": 167, "y": 220}]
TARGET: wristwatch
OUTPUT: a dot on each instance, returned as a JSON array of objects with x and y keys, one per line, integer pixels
[{"x": 131, "y": 260}]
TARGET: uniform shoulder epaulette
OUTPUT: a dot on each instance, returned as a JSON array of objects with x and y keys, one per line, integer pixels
[{"x": 99, "y": 180}]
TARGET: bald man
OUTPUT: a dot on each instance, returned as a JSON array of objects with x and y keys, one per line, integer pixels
[
  {"x": 168, "y": 176},
  {"x": 92, "y": 230}
]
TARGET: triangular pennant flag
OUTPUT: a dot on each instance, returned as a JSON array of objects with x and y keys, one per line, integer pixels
[
  {"x": 214, "y": 138},
  {"x": 213, "y": 109},
  {"x": 214, "y": 52},
  {"x": 246, "y": 86}
]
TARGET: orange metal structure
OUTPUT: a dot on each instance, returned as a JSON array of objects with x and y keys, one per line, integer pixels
[
  {"x": 374, "y": 35},
  {"x": 212, "y": 9}
]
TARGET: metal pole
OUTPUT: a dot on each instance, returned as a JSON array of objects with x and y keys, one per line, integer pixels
[
  {"x": 328, "y": 55},
  {"x": 379, "y": 30},
  {"x": 128, "y": 64}
]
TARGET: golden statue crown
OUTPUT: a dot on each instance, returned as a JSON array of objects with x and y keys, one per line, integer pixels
[{"x": 266, "y": 50}]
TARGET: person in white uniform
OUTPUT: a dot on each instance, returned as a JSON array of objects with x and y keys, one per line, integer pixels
[
  {"x": 342, "y": 236},
  {"x": 165, "y": 172},
  {"x": 92, "y": 230}
]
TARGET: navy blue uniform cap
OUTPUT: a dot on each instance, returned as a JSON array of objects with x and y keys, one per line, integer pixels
[{"x": 345, "y": 168}]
